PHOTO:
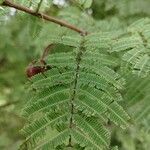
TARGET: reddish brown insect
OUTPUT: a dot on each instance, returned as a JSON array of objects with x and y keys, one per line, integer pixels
[{"x": 33, "y": 69}]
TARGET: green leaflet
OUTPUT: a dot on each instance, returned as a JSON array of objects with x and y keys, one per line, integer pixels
[
  {"x": 97, "y": 134},
  {"x": 143, "y": 66},
  {"x": 117, "y": 115},
  {"x": 126, "y": 43},
  {"x": 38, "y": 128},
  {"x": 51, "y": 100},
  {"x": 81, "y": 88},
  {"x": 136, "y": 47}
]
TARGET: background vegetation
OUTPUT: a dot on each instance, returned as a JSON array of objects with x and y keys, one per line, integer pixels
[{"x": 23, "y": 38}]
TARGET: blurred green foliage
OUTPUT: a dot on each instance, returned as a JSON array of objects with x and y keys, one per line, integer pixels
[{"x": 23, "y": 38}]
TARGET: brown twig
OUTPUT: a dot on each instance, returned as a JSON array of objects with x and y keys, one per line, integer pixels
[{"x": 8, "y": 3}]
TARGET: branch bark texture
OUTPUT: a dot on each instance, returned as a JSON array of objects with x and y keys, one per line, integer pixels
[{"x": 9, "y": 3}]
